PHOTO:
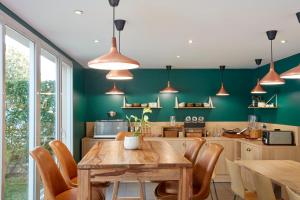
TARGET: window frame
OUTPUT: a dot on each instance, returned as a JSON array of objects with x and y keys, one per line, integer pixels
[{"x": 34, "y": 100}]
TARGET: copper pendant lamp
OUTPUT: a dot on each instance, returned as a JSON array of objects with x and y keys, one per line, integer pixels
[
  {"x": 113, "y": 60},
  {"x": 222, "y": 91},
  {"x": 258, "y": 89},
  {"x": 293, "y": 73},
  {"x": 119, "y": 74},
  {"x": 272, "y": 77},
  {"x": 169, "y": 88},
  {"x": 114, "y": 90}
]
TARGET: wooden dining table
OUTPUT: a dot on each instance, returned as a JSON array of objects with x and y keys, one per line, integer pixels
[
  {"x": 154, "y": 161},
  {"x": 282, "y": 172}
]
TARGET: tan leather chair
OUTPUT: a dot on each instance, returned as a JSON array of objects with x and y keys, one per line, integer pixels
[
  {"x": 237, "y": 184},
  {"x": 121, "y": 135},
  {"x": 202, "y": 173},
  {"x": 292, "y": 195},
  {"x": 55, "y": 185},
  {"x": 68, "y": 165},
  {"x": 192, "y": 150}
]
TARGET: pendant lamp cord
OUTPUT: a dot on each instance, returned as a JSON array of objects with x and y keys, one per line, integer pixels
[
  {"x": 222, "y": 76},
  {"x": 119, "y": 41},
  {"x": 271, "y": 50},
  {"x": 113, "y": 22}
]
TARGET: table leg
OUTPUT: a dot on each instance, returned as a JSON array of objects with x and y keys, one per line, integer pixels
[
  {"x": 185, "y": 184},
  {"x": 84, "y": 186}
]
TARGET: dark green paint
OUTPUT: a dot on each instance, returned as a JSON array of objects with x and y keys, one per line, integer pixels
[
  {"x": 78, "y": 86},
  {"x": 195, "y": 85},
  {"x": 288, "y": 96}
]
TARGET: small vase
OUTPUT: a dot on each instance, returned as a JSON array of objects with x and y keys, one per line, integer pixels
[{"x": 131, "y": 142}]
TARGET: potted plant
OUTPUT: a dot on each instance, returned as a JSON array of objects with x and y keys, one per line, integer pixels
[{"x": 136, "y": 125}]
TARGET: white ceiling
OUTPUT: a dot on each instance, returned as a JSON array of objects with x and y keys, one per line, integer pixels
[{"x": 230, "y": 32}]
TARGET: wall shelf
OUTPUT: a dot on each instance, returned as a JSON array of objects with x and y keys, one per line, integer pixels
[
  {"x": 209, "y": 105},
  {"x": 251, "y": 107},
  {"x": 273, "y": 99},
  {"x": 140, "y": 107},
  {"x": 195, "y": 107}
]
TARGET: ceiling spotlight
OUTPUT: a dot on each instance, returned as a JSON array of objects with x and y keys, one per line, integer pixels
[
  {"x": 283, "y": 41},
  {"x": 78, "y": 12},
  {"x": 177, "y": 56},
  {"x": 96, "y": 41},
  {"x": 190, "y": 41}
]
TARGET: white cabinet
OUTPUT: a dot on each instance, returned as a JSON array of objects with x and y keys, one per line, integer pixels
[{"x": 250, "y": 152}]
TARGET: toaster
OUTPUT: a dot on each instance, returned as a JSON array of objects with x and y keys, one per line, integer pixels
[{"x": 278, "y": 137}]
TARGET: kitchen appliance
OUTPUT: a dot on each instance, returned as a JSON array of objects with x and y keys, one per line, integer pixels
[
  {"x": 109, "y": 128},
  {"x": 278, "y": 137},
  {"x": 193, "y": 127}
]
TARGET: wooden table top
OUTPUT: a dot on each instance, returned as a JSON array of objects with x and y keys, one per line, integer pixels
[
  {"x": 153, "y": 154},
  {"x": 283, "y": 172}
]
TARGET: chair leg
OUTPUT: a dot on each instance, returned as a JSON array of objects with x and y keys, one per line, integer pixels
[
  {"x": 115, "y": 190},
  {"x": 215, "y": 189},
  {"x": 234, "y": 197},
  {"x": 211, "y": 194},
  {"x": 142, "y": 191}
]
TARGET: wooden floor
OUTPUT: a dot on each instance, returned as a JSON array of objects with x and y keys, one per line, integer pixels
[{"x": 131, "y": 189}]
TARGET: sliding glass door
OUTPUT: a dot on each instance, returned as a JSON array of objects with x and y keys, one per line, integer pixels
[
  {"x": 18, "y": 59},
  {"x": 36, "y": 95}
]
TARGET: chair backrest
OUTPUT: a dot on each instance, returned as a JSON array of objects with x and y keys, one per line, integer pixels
[
  {"x": 263, "y": 187},
  {"x": 121, "y": 135},
  {"x": 237, "y": 185},
  {"x": 192, "y": 150},
  {"x": 203, "y": 169},
  {"x": 53, "y": 181},
  {"x": 65, "y": 159},
  {"x": 292, "y": 195}
]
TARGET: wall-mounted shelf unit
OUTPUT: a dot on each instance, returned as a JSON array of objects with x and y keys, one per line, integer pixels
[
  {"x": 140, "y": 107},
  {"x": 268, "y": 104},
  {"x": 206, "y": 105},
  {"x": 152, "y": 105}
]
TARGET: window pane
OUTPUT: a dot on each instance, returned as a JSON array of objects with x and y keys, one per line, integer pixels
[
  {"x": 18, "y": 56},
  {"x": 48, "y": 98},
  {"x": 66, "y": 104}
]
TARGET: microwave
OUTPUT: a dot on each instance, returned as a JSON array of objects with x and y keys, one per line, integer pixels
[
  {"x": 278, "y": 137},
  {"x": 109, "y": 128}
]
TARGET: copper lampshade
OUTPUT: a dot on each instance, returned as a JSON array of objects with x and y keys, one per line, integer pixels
[
  {"x": 258, "y": 89},
  {"x": 114, "y": 90},
  {"x": 222, "y": 91},
  {"x": 169, "y": 89},
  {"x": 113, "y": 60},
  {"x": 272, "y": 77},
  {"x": 293, "y": 73},
  {"x": 119, "y": 75}
]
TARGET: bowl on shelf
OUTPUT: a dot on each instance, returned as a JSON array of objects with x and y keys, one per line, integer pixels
[
  {"x": 153, "y": 105},
  {"x": 206, "y": 105},
  {"x": 144, "y": 105},
  {"x": 136, "y": 105},
  {"x": 181, "y": 105},
  {"x": 128, "y": 105},
  {"x": 190, "y": 105},
  {"x": 198, "y": 104}
]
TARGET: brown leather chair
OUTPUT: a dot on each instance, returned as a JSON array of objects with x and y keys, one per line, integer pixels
[
  {"x": 55, "y": 186},
  {"x": 192, "y": 150},
  {"x": 67, "y": 164},
  {"x": 121, "y": 135},
  {"x": 202, "y": 173}
]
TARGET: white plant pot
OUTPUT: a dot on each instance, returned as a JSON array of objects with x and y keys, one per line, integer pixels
[{"x": 131, "y": 142}]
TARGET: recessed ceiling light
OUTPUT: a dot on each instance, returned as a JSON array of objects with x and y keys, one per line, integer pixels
[
  {"x": 283, "y": 41},
  {"x": 190, "y": 41},
  {"x": 96, "y": 41},
  {"x": 78, "y": 12},
  {"x": 177, "y": 56}
]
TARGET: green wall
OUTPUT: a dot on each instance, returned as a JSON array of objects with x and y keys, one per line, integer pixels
[
  {"x": 195, "y": 85},
  {"x": 78, "y": 86},
  {"x": 288, "y": 96}
]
